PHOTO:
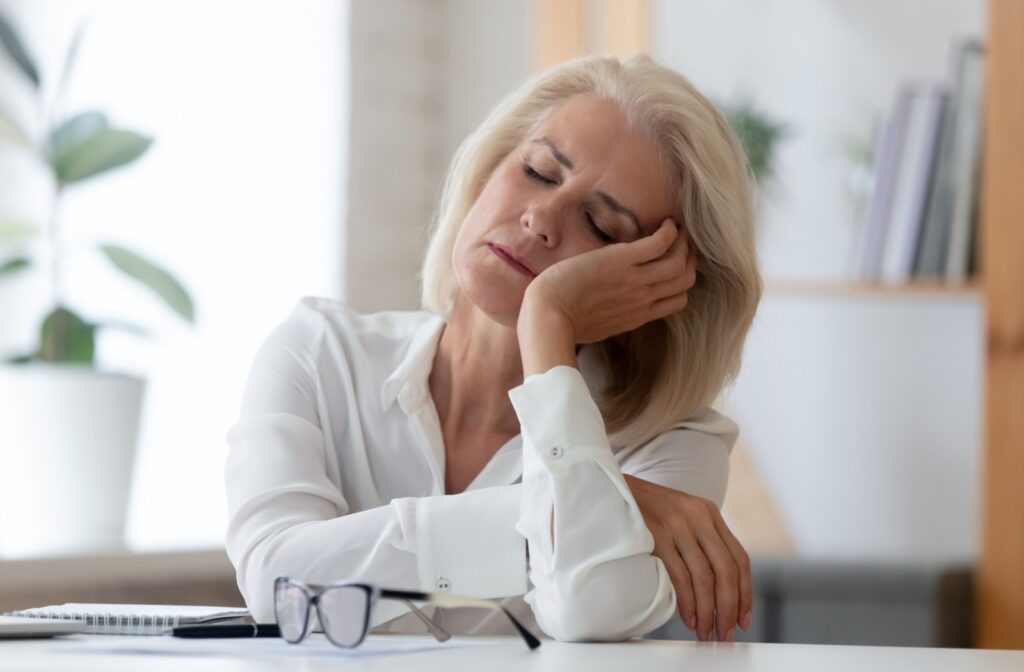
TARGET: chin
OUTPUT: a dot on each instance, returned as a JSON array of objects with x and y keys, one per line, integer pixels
[{"x": 491, "y": 296}]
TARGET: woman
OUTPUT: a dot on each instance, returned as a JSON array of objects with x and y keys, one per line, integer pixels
[{"x": 541, "y": 432}]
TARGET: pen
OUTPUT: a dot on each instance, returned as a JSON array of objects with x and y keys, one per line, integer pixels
[{"x": 217, "y": 631}]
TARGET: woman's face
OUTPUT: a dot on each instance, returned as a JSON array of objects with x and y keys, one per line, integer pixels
[{"x": 579, "y": 181}]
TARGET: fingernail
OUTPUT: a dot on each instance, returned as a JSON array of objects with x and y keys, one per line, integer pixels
[
  {"x": 691, "y": 623},
  {"x": 746, "y": 622},
  {"x": 728, "y": 635}
]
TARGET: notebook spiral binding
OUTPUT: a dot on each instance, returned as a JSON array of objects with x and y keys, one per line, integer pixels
[{"x": 109, "y": 623}]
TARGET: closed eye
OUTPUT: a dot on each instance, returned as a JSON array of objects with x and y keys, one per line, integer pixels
[
  {"x": 533, "y": 174},
  {"x": 598, "y": 232}
]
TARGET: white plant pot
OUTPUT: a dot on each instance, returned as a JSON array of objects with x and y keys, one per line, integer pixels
[{"x": 67, "y": 446}]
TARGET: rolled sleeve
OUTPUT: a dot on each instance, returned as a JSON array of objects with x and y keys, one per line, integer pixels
[
  {"x": 468, "y": 544},
  {"x": 593, "y": 577},
  {"x": 560, "y": 422}
]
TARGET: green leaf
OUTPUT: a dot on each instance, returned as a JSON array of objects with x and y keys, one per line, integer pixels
[
  {"x": 76, "y": 130},
  {"x": 759, "y": 135},
  {"x": 126, "y": 327},
  {"x": 14, "y": 265},
  {"x": 66, "y": 337},
  {"x": 11, "y": 230},
  {"x": 98, "y": 152},
  {"x": 16, "y": 50},
  {"x": 154, "y": 277}
]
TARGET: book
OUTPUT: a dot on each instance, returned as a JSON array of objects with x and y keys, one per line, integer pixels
[
  {"x": 967, "y": 162},
  {"x": 133, "y": 619},
  {"x": 888, "y": 153},
  {"x": 913, "y": 181},
  {"x": 958, "y": 127}
]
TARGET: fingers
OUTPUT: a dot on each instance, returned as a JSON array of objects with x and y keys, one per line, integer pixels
[
  {"x": 742, "y": 559},
  {"x": 682, "y": 582},
  {"x": 669, "y": 305},
  {"x": 671, "y": 287},
  {"x": 679, "y": 260},
  {"x": 726, "y": 580},
  {"x": 653, "y": 246},
  {"x": 703, "y": 586}
]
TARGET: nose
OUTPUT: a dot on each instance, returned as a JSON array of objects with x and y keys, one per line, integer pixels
[{"x": 542, "y": 219}]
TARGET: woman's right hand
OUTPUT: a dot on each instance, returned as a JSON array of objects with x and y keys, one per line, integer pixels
[{"x": 709, "y": 569}]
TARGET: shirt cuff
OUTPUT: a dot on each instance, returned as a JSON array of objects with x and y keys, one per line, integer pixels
[
  {"x": 468, "y": 544},
  {"x": 560, "y": 423}
]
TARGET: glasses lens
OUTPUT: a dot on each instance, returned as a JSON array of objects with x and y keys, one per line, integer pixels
[
  {"x": 290, "y": 604},
  {"x": 343, "y": 612}
]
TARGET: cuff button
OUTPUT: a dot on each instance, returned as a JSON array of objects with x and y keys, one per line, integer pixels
[
  {"x": 556, "y": 452},
  {"x": 443, "y": 584}
]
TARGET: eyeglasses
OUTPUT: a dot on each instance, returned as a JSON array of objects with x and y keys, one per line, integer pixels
[{"x": 343, "y": 609}]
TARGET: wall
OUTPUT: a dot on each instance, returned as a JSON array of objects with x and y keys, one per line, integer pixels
[
  {"x": 861, "y": 411},
  {"x": 424, "y": 75},
  {"x": 240, "y": 196}
]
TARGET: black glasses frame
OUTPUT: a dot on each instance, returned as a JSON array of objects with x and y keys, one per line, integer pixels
[{"x": 373, "y": 593}]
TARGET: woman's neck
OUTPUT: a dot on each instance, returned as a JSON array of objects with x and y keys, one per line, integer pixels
[{"x": 476, "y": 364}]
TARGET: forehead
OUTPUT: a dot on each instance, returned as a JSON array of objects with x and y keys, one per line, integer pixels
[{"x": 595, "y": 136}]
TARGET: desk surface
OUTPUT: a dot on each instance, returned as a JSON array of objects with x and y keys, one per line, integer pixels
[{"x": 81, "y": 652}]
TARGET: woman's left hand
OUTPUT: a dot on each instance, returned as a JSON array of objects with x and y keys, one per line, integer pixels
[
  {"x": 617, "y": 288},
  {"x": 709, "y": 568}
]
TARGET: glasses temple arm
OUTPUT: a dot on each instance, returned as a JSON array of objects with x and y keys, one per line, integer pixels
[
  {"x": 447, "y": 600},
  {"x": 439, "y": 633}
]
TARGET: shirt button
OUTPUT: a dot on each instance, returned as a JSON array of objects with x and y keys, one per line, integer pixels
[
  {"x": 556, "y": 452},
  {"x": 443, "y": 583}
]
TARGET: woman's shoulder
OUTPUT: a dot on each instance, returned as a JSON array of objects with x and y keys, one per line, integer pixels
[
  {"x": 379, "y": 339},
  {"x": 711, "y": 423},
  {"x": 343, "y": 321},
  {"x": 708, "y": 431}
]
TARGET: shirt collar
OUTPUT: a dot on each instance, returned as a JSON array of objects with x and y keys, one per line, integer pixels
[{"x": 414, "y": 368}]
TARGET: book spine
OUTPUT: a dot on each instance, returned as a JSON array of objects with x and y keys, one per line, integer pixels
[
  {"x": 967, "y": 159},
  {"x": 889, "y": 155},
  {"x": 913, "y": 183}
]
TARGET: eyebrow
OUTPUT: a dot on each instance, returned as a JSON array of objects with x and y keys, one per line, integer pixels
[{"x": 609, "y": 201}]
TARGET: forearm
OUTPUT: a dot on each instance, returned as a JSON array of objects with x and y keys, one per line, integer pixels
[
  {"x": 595, "y": 577},
  {"x": 287, "y": 518},
  {"x": 546, "y": 337}
]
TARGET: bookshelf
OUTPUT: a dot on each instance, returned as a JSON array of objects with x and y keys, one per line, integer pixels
[
  {"x": 567, "y": 27},
  {"x": 839, "y": 288}
]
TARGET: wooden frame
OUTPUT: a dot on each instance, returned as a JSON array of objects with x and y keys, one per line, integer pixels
[{"x": 999, "y": 616}]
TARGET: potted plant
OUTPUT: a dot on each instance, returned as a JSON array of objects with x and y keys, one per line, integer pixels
[
  {"x": 758, "y": 134},
  {"x": 69, "y": 429}
]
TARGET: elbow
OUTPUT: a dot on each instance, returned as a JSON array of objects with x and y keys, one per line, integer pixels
[
  {"x": 256, "y": 583},
  {"x": 603, "y": 611},
  {"x": 255, "y": 571}
]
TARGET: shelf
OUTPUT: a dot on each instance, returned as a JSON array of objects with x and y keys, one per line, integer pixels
[
  {"x": 181, "y": 577},
  {"x": 937, "y": 289}
]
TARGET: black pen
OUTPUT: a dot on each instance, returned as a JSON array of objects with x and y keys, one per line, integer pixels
[{"x": 217, "y": 631}]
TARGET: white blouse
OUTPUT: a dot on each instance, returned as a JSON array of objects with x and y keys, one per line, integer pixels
[{"x": 336, "y": 471}]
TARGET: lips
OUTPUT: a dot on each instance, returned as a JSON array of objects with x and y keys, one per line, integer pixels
[{"x": 508, "y": 255}]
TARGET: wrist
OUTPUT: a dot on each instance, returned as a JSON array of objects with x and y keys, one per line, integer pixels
[
  {"x": 546, "y": 336},
  {"x": 539, "y": 314}
]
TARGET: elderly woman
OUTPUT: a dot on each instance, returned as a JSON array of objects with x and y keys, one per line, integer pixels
[{"x": 541, "y": 432}]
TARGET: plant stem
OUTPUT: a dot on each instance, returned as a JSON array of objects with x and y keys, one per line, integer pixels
[{"x": 50, "y": 350}]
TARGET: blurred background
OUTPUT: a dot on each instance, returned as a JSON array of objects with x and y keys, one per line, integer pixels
[{"x": 251, "y": 153}]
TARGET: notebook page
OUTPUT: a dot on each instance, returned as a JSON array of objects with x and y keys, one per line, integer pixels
[{"x": 178, "y": 612}]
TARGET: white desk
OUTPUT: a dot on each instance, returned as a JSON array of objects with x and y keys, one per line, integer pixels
[{"x": 498, "y": 654}]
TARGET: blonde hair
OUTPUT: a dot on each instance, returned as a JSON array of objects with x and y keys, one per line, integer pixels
[{"x": 670, "y": 369}]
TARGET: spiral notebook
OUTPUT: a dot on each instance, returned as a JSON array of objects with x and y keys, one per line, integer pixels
[{"x": 133, "y": 619}]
